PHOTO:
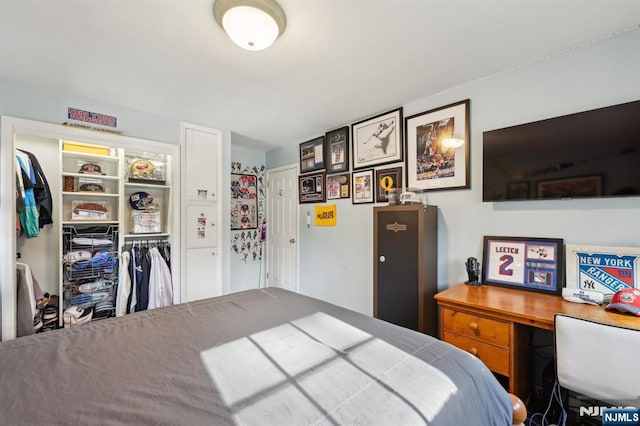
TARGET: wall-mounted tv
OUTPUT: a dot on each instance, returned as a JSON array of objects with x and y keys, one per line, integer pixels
[{"x": 587, "y": 154}]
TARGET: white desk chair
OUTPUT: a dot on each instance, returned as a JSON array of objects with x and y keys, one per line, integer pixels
[{"x": 598, "y": 360}]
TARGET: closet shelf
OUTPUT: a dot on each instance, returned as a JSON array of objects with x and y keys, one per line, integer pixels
[
  {"x": 147, "y": 236},
  {"x": 85, "y": 155},
  {"x": 91, "y": 194},
  {"x": 145, "y": 185},
  {"x": 86, "y": 175},
  {"x": 90, "y": 222}
]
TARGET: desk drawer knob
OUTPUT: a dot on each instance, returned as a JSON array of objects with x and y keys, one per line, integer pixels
[
  {"x": 473, "y": 326},
  {"x": 473, "y": 351}
]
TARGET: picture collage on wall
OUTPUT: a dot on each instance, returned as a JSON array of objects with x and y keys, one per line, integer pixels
[
  {"x": 248, "y": 221},
  {"x": 431, "y": 150}
]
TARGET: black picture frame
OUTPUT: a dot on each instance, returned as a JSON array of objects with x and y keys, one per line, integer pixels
[
  {"x": 386, "y": 180},
  {"x": 311, "y": 188},
  {"x": 437, "y": 148},
  {"x": 531, "y": 264},
  {"x": 337, "y": 150},
  {"x": 312, "y": 155},
  {"x": 377, "y": 140},
  {"x": 362, "y": 187},
  {"x": 244, "y": 201}
]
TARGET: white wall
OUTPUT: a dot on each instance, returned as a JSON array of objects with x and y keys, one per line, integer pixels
[
  {"x": 336, "y": 264},
  {"x": 245, "y": 272}
]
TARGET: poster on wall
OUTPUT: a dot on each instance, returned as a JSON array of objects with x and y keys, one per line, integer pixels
[
  {"x": 244, "y": 201},
  {"x": 602, "y": 269}
]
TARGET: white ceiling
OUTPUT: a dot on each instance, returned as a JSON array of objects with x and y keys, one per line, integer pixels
[{"x": 337, "y": 62}]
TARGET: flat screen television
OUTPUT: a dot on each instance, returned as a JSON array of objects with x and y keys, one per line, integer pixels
[{"x": 593, "y": 153}]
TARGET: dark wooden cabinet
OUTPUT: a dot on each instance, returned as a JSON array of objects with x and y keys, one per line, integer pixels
[{"x": 405, "y": 266}]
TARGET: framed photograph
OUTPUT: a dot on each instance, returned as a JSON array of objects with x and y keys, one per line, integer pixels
[
  {"x": 377, "y": 140},
  {"x": 518, "y": 191},
  {"x": 602, "y": 269},
  {"x": 311, "y": 188},
  {"x": 312, "y": 155},
  {"x": 437, "y": 148},
  {"x": 388, "y": 180},
  {"x": 337, "y": 150},
  {"x": 339, "y": 186},
  {"x": 579, "y": 186},
  {"x": 533, "y": 264},
  {"x": 244, "y": 201},
  {"x": 362, "y": 187}
]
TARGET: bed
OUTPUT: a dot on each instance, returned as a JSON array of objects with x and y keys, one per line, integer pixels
[{"x": 258, "y": 357}]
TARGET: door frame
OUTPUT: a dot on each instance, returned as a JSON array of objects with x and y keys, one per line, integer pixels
[{"x": 269, "y": 173}]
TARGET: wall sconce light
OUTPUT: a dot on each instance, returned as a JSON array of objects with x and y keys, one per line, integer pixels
[{"x": 251, "y": 24}]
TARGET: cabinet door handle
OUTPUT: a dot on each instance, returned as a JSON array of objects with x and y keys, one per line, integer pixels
[
  {"x": 473, "y": 326},
  {"x": 473, "y": 351}
]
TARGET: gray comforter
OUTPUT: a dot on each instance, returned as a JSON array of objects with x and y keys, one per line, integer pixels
[{"x": 260, "y": 357}]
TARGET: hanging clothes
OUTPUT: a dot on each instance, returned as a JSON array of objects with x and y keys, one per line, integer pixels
[
  {"x": 41, "y": 191},
  {"x": 124, "y": 285},
  {"x": 160, "y": 284},
  {"x": 147, "y": 275},
  {"x": 26, "y": 301},
  {"x": 29, "y": 220}
]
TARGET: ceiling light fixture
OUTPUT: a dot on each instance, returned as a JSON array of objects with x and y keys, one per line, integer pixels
[{"x": 251, "y": 24}]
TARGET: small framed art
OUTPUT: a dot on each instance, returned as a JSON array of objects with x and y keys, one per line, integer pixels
[
  {"x": 377, "y": 140},
  {"x": 337, "y": 147},
  {"x": 244, "y": 201},
  {"x": 388, "y": 180},
  {"x": 311, "y": 188},
  {"x": 362, "y": 187},
  {"x": 338, "y": 186},
  {"x": 312, "y": 155},
  {"x": 533, "y": 264},
  {"x": 437, "y": 148}
]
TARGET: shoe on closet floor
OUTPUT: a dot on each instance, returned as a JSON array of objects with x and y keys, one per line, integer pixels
[{"x": 75, "y": 315}]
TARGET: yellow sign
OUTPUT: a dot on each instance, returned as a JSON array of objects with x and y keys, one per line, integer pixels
[{"x": 326, "y": 215}]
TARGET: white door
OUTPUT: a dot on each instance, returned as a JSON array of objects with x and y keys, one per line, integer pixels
[{"x": 282, "y": 229}]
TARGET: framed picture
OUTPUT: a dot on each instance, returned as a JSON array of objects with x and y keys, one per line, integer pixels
[
  {"x": 337, "y": 150},
  {"x": 518, "y": 191},
  {"x": 533, "y": 264},
  {"x": 377, "y": 140},
  {"x": 388, "y": 180},
  {"x": 579, "y": 186},
  {"x": 437, "y": 148},
  {"x": 244, "y": 201},
  {"x": 311, "y": 188},
  {"x": 312, "y": 155},
  {"x": 362, "y": 187},
  {"x": 339, "y": 186}
]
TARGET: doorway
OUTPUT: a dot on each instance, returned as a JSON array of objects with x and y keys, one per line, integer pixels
[{"x": 282, "y": 229}]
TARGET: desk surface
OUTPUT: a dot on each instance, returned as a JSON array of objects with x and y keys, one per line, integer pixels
[{"x": 526, "y": 307}]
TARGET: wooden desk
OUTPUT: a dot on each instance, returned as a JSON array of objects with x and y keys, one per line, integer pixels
[{"x": 495, "y": 324}]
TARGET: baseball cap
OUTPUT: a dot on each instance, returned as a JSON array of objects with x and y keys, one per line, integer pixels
[
  {"x": 91, "y": 169},
  {"x": 626, "y": 300}
]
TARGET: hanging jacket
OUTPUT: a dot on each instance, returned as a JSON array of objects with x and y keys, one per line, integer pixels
[
  {"x": 29, "y": 216},
  {"x": 160, "y": 285},
  {"x": 41, "y": 192}
]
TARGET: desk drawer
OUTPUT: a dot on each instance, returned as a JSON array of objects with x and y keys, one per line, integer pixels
[
  {"x": 496, "y": 359},
  {"x": 477, "y": 327}
]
